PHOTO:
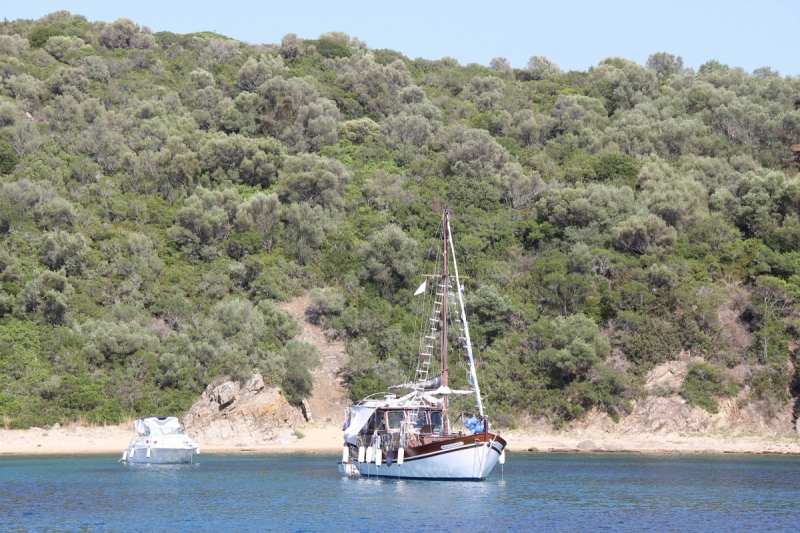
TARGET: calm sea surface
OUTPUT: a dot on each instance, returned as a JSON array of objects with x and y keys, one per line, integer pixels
[{"x": 304, "y": 492}]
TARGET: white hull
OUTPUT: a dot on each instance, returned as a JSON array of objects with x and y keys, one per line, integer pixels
[
  {"x": 472, "y": 462},
  {"x": 161, "y": 449},
  {"x": 159, "y": 455}
]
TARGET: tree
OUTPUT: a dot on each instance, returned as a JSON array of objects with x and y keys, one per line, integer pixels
[
  {"x": 260, "y": 212},
  {"x": 407, "y": 134},
  {"x": 255, "y": 72},
  {"x": 473, "y": 153},
  {"x": 125, "y": 33},
  {"x": 13, "y": 45},
  {"x": 541, "y": 68},
  {"x": 291, "y": 46},
  {"x": 665, "y": 65},
  {"x": 62, "y": 250},
  {"x": 314, "y": 180},
  {"x": 643, "y": 234},
  {"x": 8, "y": 158},
  {"x": 58, "y": 45},
  {"x": 315, "y": 126},
  {"x": 771, "y": 295},
  {"x": 573, "y": 347},
  {"x": 301, "y": 357},
  {"x": 490, "y": 311},
  {"x": 204, "y": 221},
  {"x": 499, "y": 64},
  {"x": 241, "y": 159},
  {"x": 389, "y": 258},
  {"x": 703, "y": 383},
  {"x": 307, "y": 229}
]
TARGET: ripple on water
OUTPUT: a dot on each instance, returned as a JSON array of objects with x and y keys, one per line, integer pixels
[{"x": 303, "y": 492}]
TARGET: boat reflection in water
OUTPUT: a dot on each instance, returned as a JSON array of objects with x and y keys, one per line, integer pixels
[{"x": 410, "y": 436}]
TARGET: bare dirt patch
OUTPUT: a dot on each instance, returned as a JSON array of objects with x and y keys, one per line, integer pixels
[{"x": 329, "y": 396}]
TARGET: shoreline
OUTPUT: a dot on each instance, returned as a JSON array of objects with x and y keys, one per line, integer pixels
[{"x": 78, "y": 440}]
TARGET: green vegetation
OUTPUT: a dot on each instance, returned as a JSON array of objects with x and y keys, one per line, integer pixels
[
  {"x": 703, "y": 384},
  {"x": 160, "y": 194}
]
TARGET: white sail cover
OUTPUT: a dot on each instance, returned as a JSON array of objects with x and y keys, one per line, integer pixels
[
  {"x": 143, "y": 425},
  {"x": 448, "y": 390},
  {"x": 359, "y": 416}
]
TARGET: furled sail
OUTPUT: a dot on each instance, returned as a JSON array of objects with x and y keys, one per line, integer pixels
[{"x": 429, "y": 384}]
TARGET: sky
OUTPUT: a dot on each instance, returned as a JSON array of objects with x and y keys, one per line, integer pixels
[{"x": 575, "y": 34}]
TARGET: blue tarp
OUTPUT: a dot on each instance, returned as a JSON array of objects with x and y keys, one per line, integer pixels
[{"x": 474, "y": 425}]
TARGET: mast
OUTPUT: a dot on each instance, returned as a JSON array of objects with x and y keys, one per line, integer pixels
[
  {"x": 473, "y": 375},
  {"x": 445, "y": 287}
]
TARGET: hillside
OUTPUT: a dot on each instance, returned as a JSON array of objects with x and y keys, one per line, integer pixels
[{"x": 163, "y": 196}]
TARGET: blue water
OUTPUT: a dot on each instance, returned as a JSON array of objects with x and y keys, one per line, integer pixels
[{"x": 303, "y": 492}]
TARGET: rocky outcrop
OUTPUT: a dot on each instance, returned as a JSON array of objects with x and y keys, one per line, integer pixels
[{"x": 233, "y": 414}]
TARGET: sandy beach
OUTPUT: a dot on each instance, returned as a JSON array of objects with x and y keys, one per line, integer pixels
[{"x": 74, "y": 440}]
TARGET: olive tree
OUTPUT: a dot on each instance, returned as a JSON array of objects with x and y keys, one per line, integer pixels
[
  {"x": 316, "y": 125},
  {"x": 260, "y": 212},
  {"x": 13, "y": 45},
  {"x": 63, "y": 250},
  {"x": 307, "y": 229},
  {"x": 407, "y": 134},
  {"x": 58, "y": 45},
  {"x": 473, "y": 153},
  {"x": 390, "y": 258},
  {"x": 125, "y": 33},
  {"x": 643, "y": 234},
  {"x": 241, "y": 159},
  {"x": 255, "y": 72},
  {"x": 541, "y": 68},
  {"x": 313, "y": 180},
  {"x": 665, "y": 64},
  {"x": 204, "y": 221}
]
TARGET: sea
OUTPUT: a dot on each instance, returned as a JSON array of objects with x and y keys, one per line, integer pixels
[{"x": 304, "y": 493}]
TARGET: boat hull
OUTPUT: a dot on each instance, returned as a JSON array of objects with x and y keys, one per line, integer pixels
[
  {"x": 462, "y": 459},
  {"x": 160, "y": 455}
]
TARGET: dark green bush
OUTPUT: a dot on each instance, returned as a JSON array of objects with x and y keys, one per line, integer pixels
[{"x": 704, "y": 383}]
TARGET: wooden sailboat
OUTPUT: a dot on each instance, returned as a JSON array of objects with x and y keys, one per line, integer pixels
[{"x": 411, "y": 436}]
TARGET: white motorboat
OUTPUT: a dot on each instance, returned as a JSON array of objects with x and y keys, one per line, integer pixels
[
  {"x": 160, "y": 440},
  {"x": 411, "y": 436}
]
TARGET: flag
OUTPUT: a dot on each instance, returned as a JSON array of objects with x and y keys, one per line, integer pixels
[{"x": 421, "y": 288}]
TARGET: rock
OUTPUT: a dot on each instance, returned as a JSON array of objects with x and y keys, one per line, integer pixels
[
  {"x": 533, "y": 449},
  {"x": 232, "y": 415},
  {"x": 587, "y": 445},
  {"x": 307, "y": 412},
  {"x": 56, "y": 426},
  {"x": 225, "y": 394},
  {"x": 256, "y": 383}
]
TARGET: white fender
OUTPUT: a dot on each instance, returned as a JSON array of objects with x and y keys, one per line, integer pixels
[
  {"x": 132, "y": 451},
  {"x": 361, "y": 454},
  {"x": 502, "y": 459},
  {"x": 197, "y": 450},
  {"x": 401, "y": 452},
  {"x": 370, "y": 454},
  {"x": 148, "y": 452},
  {"x": 378, "y": 457},
  {"x": 125, "y": 456},
  {"x": 345, "y": 454}
]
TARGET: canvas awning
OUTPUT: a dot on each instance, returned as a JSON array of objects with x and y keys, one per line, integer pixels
[
  {"x": 359, "y": 416},
  {"x": 144, "y": 425}
]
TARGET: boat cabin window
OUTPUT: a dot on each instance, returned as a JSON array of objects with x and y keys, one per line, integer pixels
[
  {"x": 162, "y": 431},
  {"x": 436, "y": 421},
  {"x": 376, "y": 420},
  {"x": 421, "y": 420},
  {"x": 395, "y": 419}
]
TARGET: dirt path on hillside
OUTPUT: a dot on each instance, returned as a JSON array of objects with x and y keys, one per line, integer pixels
[{"x": 329, "y": 396}]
